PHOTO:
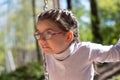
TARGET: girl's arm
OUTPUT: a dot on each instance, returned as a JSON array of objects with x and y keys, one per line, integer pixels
[{"x": 102, "y": 53}]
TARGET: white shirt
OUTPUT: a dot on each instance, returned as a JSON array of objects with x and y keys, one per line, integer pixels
[{"x": 76, "y": 63}]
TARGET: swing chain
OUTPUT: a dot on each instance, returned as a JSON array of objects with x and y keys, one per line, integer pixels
[{"x": 45, "y": 6}]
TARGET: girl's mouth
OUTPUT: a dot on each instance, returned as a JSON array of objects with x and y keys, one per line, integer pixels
[{"x": 44, "y": 47}]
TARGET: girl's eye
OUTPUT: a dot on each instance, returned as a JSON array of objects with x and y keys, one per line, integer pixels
[{"x": 49, "y": 32}]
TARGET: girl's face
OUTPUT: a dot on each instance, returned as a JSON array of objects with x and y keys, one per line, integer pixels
[{"x": 55, "y": 43}]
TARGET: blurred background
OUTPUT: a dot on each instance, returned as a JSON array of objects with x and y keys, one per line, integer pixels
[{"x": 20, "y": 56}]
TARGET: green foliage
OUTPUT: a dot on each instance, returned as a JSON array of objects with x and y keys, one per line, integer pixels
[
  {"x": 117, "y": 77},
  {"x": 85, "y": 34},
  {"x": 111, "y": 7},
  {"x": 2, "y": 48},
  {"x": 109, "y": 17},
  {"x": 2, "y": 58},
  {"x": 110, "y": 35},
  {"x": 32, "y": 71},
  {"x": 84, "y": 27}
]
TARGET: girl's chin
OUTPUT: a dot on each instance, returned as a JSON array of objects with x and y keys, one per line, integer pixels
[{"x": 48, "y": 53}]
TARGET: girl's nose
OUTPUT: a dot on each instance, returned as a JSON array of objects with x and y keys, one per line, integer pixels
[
  {"x": 42, "y": 37},
  {"x": 42, "y": 41}
]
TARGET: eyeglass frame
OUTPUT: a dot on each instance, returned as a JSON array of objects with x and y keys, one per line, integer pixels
[{"x": 42, "y": 34}]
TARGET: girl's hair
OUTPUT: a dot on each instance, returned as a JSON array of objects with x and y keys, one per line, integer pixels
[{"x": 65, "y": 20}]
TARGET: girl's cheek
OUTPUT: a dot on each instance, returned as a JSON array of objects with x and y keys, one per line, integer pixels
[{"x": 39, "y": 44}]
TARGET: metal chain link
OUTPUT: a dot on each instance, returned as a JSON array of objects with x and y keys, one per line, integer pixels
[
  {"x": 45, "y": 67},
  {"x": 45, "y": 6}
]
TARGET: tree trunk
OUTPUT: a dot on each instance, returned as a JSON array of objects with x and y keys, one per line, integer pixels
[
  {"x": 56, "y": 4},
  {"x": 34, "y": 21},
  {"x": 69, "y": 5},
  {"x": 95, "y": 22},
  {"x": 10, "y": 64}
]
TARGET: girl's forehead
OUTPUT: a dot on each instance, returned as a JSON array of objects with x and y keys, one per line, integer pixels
[{"x": 47, "y": 24}]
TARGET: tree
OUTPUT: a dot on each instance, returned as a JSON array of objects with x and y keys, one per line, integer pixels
[
  {"x": 69, "y": 5},
  {"x": 81, "y": 14},
  {"x": 110, "y": 20},
  {"x": 95, "y": 22},
  {"x": 34, "y": 21},
  {"x": 19, "y": 31},
  {"x": 56, "y": 4}
]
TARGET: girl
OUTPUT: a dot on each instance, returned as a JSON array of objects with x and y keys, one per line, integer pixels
[{"x": 66, "y": 57}]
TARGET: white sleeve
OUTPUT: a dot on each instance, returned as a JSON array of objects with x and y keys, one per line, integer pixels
[
  {"x": 118, "y": 42},
  {"x": 102, "y": 53}
]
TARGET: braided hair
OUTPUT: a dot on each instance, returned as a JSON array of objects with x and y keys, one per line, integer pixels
[{"x": 65, "y": 20}]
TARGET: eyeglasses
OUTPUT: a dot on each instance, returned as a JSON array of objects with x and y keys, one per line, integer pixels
[{"x": 45, "y": 35}]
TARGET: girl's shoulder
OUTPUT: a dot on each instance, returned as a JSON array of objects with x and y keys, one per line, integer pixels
[
  {"x": 88, "y": 45},
  {"x": 84, "y": 44}
]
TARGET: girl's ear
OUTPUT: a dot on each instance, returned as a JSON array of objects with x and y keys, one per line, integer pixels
[{"x": 70, "y": 36}]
